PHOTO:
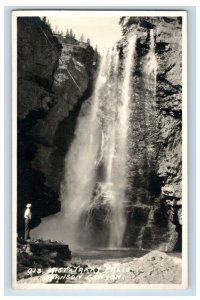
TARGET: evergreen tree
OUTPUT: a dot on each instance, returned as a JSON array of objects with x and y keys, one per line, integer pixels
[
  {"x": 67, "y": 33},
  {"x": 96, "y": 54},
  {"x": 71, "y": 33},
  {"x": 81, "y": 38},
  {"x": 88, "y": 41}
]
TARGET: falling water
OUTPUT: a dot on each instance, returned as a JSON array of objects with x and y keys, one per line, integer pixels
[
  {"x": 119, "y": 178},
  {"x": 80, "y": 170},
  {"x": 95, "y": 179},
  {"x": 149, "y": 76},
  {"x": 108, "y": 122},
  {"x": 150, "y": 65},
  {"x": 82, "y": 161},
  {"x": 147, "y": 226}
]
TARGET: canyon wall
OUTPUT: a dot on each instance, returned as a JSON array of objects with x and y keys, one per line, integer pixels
[
  {"x": 54, "y": 78},
  {"x": 154, "y": 216}
]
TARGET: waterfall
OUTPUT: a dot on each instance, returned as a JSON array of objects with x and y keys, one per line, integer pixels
[
  {"x": 82, "y": 160},
  {"x": 98, "y": 181},
  {"x": 150, "y": 64},
  {"x": 81, "y": 164},
  {"x": 96, "y": 187},
  {"x": 149, "y": 77},
  {"x": 119, "y": 178},
  {"x": 93, "y": 191},
  {"x": 149, "y": 226}
]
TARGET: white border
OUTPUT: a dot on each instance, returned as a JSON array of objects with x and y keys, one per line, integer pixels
[
  {"x": 184, "y": 155},
  {"x": 58, "y": 13},
  {"x": 14, "y": 148}
]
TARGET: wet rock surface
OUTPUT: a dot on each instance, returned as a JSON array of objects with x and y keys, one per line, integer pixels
[{"x": 157, "y": 133}]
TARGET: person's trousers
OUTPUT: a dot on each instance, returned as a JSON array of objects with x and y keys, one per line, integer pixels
[{"x": 27, "y": 229}]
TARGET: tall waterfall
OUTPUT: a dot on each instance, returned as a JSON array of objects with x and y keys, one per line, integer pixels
[
  {"x": 93, "y": 191},
  {"x": 96, "y": 187},
  {"x": 82, "y": 161},
  {"x": 119, "y": 170},
  {"x": 96, "y": 164}
]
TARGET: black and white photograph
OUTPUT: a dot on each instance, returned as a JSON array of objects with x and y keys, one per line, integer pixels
[{"x": 99, "y": 133}]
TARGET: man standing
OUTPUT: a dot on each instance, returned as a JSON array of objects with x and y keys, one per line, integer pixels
[{"x": 27, "y": 217}]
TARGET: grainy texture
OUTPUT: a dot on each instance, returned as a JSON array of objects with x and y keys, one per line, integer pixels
[
  {"x": 156, "y": 159},
  {"x": 56, "y": 77}
]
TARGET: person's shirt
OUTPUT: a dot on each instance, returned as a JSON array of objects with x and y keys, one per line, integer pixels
[{"x": 27, "y": 213}]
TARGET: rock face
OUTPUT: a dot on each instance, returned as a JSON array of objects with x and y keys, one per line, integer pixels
[
  {"x": 154, "y": 216},
  {"x": 36, "y": 255},
  {"x": 72, "y": 85},
  {"x": 54, "y": 78}
]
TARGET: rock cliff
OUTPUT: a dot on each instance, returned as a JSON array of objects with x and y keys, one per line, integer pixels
[
  {"x": 54, "y": 78},
  {"x": 155, "y": 216}
]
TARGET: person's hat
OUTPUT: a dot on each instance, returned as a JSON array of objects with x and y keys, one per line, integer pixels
[{"x": 28, "y": 205}]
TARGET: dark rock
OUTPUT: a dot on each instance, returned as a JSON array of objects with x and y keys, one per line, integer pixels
[
  {"x": 155, "y": 175},
  {"x": 51, "y": 250},
  {"x": 37, "y": 254},
  {"x": 54, "y": 78}
]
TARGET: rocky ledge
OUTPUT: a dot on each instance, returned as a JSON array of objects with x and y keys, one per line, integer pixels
[{"x": 39, "y": 254}]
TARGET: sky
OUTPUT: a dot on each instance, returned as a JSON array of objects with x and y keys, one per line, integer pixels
[{"x": 103, "y": 31}]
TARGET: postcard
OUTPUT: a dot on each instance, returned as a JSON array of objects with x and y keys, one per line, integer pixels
[{"x": 99, "y": 148}]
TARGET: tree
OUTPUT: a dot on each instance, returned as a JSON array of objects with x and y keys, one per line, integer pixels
[
  {"x": 88, "y": 41},
  {"x": 81, "y": 38},
  {"x": 96, "y": 56},
  {"x": 67, "y": 33},
  {"x": 71, "y": 33}
]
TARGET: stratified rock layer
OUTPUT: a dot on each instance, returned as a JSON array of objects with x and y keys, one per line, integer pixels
[{"x": 154, "y": 217}]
